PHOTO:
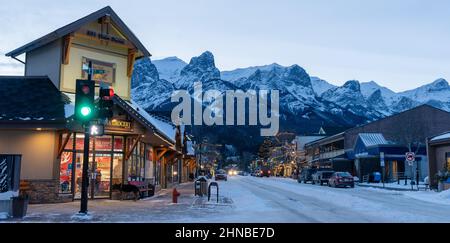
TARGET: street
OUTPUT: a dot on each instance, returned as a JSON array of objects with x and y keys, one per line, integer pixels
[
  {"x": 258, "y": 200},
  {"x": 285, "y": 200}
]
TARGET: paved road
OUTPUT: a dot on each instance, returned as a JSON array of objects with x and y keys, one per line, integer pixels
[{"x": 284, "y": 200}]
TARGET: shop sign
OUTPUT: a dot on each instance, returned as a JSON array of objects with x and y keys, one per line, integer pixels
[
  {"x": 107, "y": 37},
  {"x": 119, "y": 124}
]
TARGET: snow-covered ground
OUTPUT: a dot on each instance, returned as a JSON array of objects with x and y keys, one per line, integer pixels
[{"x": 262, "y": 200}]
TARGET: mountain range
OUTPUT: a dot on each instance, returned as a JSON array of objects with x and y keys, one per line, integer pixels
[{"x": 306, "y": 102}]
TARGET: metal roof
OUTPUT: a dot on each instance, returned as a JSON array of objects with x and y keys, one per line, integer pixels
[
  {"x": 444, "y": 136},
  {"x": 72, "y": 27},
  {"x": 373, "y": 139}
]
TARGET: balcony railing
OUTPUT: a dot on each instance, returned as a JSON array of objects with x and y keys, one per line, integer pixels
[{"x": 331, "y": 154}]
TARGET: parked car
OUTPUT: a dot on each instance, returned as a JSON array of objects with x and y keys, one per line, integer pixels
[
  {"x": 221, "y": 175},
  {"x": 265, "y": 172},
  {"x": 321, "y": 177},
  {"x": 306, "y": 175},
  {"x": 341, "y": 179}
]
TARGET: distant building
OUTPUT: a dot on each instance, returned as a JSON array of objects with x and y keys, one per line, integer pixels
[
  {"x": 438, "y": 148},
  {"x": 360, "y": 150}
]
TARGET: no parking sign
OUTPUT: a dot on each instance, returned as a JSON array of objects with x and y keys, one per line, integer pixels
[{"x": 410, "y": 158}]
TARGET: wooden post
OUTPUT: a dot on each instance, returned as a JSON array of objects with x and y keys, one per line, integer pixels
[{"x": 131, "y": 58}]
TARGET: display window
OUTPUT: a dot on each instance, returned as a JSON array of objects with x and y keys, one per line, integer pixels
[
  {"x": 65, "y": 172},
  {"x": 105, "y": 165},
  {"x": 103, "y": 143},
  {"x": 118, "y": 144}
]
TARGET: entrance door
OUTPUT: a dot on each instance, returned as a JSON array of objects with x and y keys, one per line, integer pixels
[{"x": 101, "y": 176}]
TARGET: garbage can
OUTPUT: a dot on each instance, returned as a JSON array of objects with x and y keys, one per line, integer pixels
[
  {"x": 201, "y": 186},
  {"x": 376, "y": 177},
  {"x": 19, "y": 206}
]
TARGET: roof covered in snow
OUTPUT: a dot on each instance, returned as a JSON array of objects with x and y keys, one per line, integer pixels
[
  {"x": 441, "y": 137},
  {"x": 373, "y": 139},
  {"x": 162, "y": 127},
  {"x": 31, "y": 99}
]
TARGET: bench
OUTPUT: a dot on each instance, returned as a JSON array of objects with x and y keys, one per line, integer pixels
[{"x": 142, "y": 186}]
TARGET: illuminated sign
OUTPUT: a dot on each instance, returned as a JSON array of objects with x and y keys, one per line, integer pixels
[{"x": 119, "y": 124}]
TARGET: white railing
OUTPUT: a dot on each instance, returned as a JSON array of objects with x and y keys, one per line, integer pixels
[{"x": 332, "y": 154}]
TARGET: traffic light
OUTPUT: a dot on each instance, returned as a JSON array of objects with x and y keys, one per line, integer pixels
[
  {"x": 84, "y": 100},
  {"x": 106, "y": 103}
]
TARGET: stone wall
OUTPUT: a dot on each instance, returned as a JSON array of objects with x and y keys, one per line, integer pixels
[{"x": 46, "y": 191}]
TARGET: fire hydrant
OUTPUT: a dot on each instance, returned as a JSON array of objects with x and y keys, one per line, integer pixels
[{"x": 175, "y": 195}]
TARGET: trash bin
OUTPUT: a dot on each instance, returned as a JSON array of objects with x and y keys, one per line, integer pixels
[
  {"x": 19, "y": 206},
  {"x": 376, "y": 177},
  {"x": 201, "y": 186}
]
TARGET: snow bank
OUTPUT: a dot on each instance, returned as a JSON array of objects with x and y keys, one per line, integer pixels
[
  {"x": 8, "y": 195},
  {"x": 444, "y": 195},
  {"x": 4, "y": 215},
  {"x": 82, "y": 217}
]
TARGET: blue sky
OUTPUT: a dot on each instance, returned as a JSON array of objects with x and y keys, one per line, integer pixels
[{"x": 400, "y": 44}]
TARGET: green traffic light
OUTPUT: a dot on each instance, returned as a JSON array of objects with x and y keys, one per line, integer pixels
[{"x": 85, "y": 111}]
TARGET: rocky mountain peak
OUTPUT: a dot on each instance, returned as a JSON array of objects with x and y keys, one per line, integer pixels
[
  {"x": 297, "y": 75},
  {"x": 144, "y": 72},
  {"x": 199, "y": 69},
  {"x": 439, "y": 84},
  {"x": 353, "y": 85}
]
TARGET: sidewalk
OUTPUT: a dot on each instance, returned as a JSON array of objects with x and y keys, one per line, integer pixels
[
  {"x": 394, "y": 186},
  {"x": 156, "y": 209}
]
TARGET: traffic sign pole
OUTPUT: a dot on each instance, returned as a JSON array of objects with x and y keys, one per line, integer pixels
[{"x": 85, "y": 178}]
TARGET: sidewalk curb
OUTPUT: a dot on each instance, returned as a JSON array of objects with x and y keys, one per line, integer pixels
[{"x": 388, "y": 188}]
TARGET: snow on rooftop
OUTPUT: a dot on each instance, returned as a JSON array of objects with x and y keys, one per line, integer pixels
[
  {"x": 441, "y": 137},
  {"x": 165, "y": 128}
]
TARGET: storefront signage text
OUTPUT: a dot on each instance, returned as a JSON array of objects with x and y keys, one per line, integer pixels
[
  {"x": 120, "y": 124},
  {"x": 107, "y": 37}
]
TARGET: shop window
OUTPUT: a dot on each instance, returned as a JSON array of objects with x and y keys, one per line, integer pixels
[
  {"x": 117, "y": 177},
  {"x": 65, "y": 172},
  {"x": 103, "y": 143},
  {"x": 79, "y": 143},
  {"x": 69, "y": 145},
  {"x": 118, "y": 144}
]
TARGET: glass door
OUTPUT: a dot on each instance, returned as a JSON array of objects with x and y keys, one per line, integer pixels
[
  {"x": 79, "y": 173},
  {"x": 101, "y": 176}
]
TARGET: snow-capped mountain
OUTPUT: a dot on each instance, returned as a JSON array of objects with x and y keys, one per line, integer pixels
[
  {"x": 305, "y": 102},
  {"x": 147, "y": 88},
  {"x": 170, "y": 68},
  {"x": 320, "y": 86},
  {"x": 439, "y": 90},
  {"x": 199, "y": 69}
]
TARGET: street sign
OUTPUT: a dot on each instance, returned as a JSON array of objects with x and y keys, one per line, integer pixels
[
  {"x": 410, "y": 158},
  {"x": 382, "y": 163}
]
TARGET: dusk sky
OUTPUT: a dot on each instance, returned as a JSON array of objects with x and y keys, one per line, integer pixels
[{"x": 400, "y": 44}]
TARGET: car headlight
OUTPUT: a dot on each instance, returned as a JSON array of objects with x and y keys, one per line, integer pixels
[{"x": 235, "y": 173}]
